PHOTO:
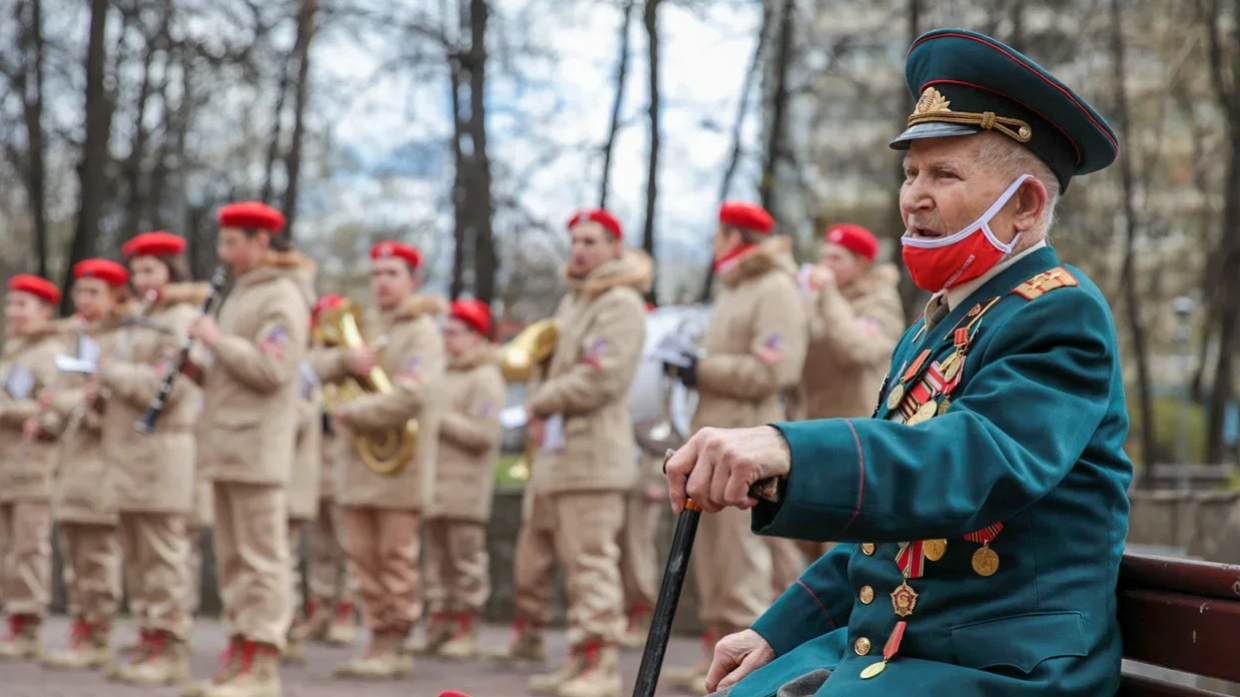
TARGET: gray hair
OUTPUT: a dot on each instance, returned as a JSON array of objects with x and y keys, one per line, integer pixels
[{"x": 1009, "y": 159}]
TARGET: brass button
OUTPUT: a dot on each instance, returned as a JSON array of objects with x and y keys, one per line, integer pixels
[
  {"x": 867, "y": 549},
  {"x": 862, "y": 646},
  {"x": 867, "y": 595}
]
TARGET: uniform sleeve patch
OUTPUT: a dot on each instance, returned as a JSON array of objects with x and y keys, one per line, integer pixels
[
  {"x": 772, "y": 349},
  {"x": 594, "y": 353},
  {"x": 274, "y": 342},
  {"x": 410, "y": 373},
  {"x": 871, "y": 326},
  {"x": 485, "y": 410}
]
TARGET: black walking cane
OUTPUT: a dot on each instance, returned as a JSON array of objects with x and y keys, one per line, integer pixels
[{"x": 673, "y": 581}]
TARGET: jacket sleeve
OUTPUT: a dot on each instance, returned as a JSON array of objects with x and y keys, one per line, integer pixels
[
  {"x": 867, "y": 479},
  {"x": 819, "y": 602},
  {"x": 610, "y": 350},
  {"x": 137, "y": 383},
  {"x": 272, "y": 361},
  {"x": 776, "y": 352},
  {"x": 420, "y": 373},
  {"x": 328, "y": 363},
  {"x": 42, "y": 365},
  {"x": 856, "y": 339},
  {"x": 477, "y": 429}
]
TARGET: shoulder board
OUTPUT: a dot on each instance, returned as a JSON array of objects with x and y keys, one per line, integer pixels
[{"x": 1045, "y": 282}]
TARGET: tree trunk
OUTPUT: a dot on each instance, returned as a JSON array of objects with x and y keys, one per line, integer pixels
[
  {"x": 779, "y": 107},
  {"x": 277, "y": 127},
  {"x": 909, "y": 292},
  {"x": 1128, "y": 282},
  {"x": 92, "y": 168},
  {"x": 459, "y": 222},
  {"x": 651, "y": 20},
  {"x": 622, "y": 70},
  {"x": 28, "y": 82},
  {"x": 133, "y": 164},
  {"x": 481, "y": 207},
  {"x": 292, "y": 162}
]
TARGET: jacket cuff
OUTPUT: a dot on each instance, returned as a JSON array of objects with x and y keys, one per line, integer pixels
[
  {"x": 825, "y": 486},
  {"x": 796, "y": 617}
]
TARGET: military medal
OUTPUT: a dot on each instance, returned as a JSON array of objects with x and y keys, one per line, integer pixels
[
  {"x": 934, "y": 549},
  {"x": 867, "y": 548},
  {"x": 923, "y": 414},
  {"x": 893, "y": 399},
  {"x": 985, "y": 560},
  {"x": 943, "y": 406},
  {"x": 904, "y": 600},
  {"x": 890, "y": 649},
  {"x": 912, "y": 563}
]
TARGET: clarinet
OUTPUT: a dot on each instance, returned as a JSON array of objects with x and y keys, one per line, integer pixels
[{"x": 146, "y": 425}]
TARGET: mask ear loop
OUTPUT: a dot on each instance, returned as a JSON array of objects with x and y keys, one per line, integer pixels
[{"x": 983, "y": 223}]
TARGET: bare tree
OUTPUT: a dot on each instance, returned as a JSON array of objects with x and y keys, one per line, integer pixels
[
  {"x": 622, "y": 70},
  {"x": 301, "y": 53},
  {"x": 27, "y": 81},
  {"x": 651, "y": 21},
  {"x": 481, "y": 207},
  {"x": 779, "y": 105}
]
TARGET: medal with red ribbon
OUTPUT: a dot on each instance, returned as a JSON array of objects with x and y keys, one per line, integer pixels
[
  {"x": 912, "y": 562},
  {"x": 890, "y": 649},
  {"x": 985, "y": 560}
]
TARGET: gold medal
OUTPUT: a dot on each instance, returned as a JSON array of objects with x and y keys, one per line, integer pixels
[
  {"x": 867, "y": 548},
  {"x": 934, "y": 549},
  {"x": 873, "y": 670},
  {"x": 923, "y": 414},
  {"x": 952, "y": 368},
  {"x": 904, "y": 600},
  {"x": 897, "y": 394},
  {"x": 943, "y": 406},
  {"x": 985, "y": 561},
  {"x": 867, "y": 595}
]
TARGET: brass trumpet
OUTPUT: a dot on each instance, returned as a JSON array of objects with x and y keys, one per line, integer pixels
[
  {"x": 527, "y": 352},
  {"x": 383, "y": 453}
]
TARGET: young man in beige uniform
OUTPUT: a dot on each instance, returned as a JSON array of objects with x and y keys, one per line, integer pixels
[
  {"x": 82, "y": 507},
  {"x": 753, "y": 354},
  {"x": 855, "y": 320},
  {"x": 586, "y": 461},
  {"x": 249, "y": 427},
  {"x": 458, "y": 570},
  {"x": 28, "y": 453},
  {"x": 151, "y": 475},
  {"x": 383, "y": 510}
]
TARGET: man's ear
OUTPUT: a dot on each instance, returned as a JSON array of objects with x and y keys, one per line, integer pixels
[{"x": 1030, "y": 202}]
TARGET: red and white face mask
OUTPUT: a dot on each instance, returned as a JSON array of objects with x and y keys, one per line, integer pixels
[{"x": 939, "y": 264}]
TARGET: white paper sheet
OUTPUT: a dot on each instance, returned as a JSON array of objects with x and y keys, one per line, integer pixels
[
  {"x": 553, "y": 437},
  {"x": 513, "y": 417},
  {"x": 69, "y": 364}
]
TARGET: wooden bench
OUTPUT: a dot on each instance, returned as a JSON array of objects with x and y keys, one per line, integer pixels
[
  {"x": 1196, "y": 477},
  {"x": 1179, "y": 614}
]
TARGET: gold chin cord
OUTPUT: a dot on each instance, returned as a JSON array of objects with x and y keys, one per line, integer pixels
[
  {"x": 383, "y": 452},
  {"x": 519, "y": 359}
]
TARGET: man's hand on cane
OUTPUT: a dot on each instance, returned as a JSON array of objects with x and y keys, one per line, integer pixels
[{"x": 717, "y": 467}]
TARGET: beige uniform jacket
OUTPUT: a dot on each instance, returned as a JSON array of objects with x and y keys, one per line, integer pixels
[
  {"x": 469, "y": 437},
  {"x": 248, "y": 428},
  {"x": 755, "y": 342},
  {"x": 602, "y": 327},
  {"x": 153, "y": 473},
  {"x": 853, "y": 331},
  {"x": 410, "y": 351},
  {"x": 27, "y": 375},
  {"x": 80, "y": 491}
]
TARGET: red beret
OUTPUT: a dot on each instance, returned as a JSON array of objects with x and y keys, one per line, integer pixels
[
  {"x": 600, "y": 216},
  {"x": 746, "y": 216},
  {"x": 251, "y": 214},
  {"x": 41, "y": 288},
  {"x": 475, "y": 313},
  {"x": 391, "y": 248},
  {"x": 854, "y": 238},
  {"x": 155, "y": 244},
  {"x": 107, "y": 271}
]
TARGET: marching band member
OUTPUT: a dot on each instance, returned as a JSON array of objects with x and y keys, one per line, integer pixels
[
  {"x": 83, "y": 509},
  {"x": 152, "y": 476},
  {"x": 247, "y": 438},
  {"x": 754, "y": 351},
  {"x": 458, "y": 573},
  {"x": 27, "y": 457},
  {"x": 586, "y": 464},
  {"x": 639, "y": 566},
  {"x": 383, "y": 511}
]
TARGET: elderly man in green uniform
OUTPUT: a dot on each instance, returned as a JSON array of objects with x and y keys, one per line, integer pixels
[{"x": 982, "y": 514}]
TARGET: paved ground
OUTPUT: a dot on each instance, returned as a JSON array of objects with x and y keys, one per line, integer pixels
[{"x": 480, "y": 678}]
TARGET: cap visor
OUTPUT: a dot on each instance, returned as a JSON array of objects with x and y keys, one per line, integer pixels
[{"x": 932, "y": 129}]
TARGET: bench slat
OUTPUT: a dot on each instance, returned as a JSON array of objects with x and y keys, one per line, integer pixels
[
  {"x": 1140, "y": 686},
  {"x": 1180, "y": 575},
  {"x": 1181, "y": 632}
]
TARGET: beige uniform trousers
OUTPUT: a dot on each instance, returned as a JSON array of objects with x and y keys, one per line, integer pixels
[
  {"x": 251, "y": 553},
  {"x": 383, "y": 547},
  {"x": 26, "y": 557},
  {"x": 787, "y": 563},
  {"x": 296, "y": 528},
  {"x": 328, "y": 576},
  {"x": 639, "y": 564},
  {"x": 458, "y": 575},
  {"x": 157, "y": 552},
  {"x": 732, "y": 566},
  {"x": 579, "y": 530},
  {"x": 91, "y": 571}
]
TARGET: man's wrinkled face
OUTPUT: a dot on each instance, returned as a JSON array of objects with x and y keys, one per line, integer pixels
[
  {"x": 592, "y": 245},
  {"x": 23, "y": 310},
  {"x": 391, "y": 282},
  {"x": 92, "y": 298},
  {"x": 947, "y": 187},
  {"x": 242, "y": 252},
  {"x": 458, "y": 337},
  {"x": 846, "y": 264},
  {"x": 148, "y": 274}
]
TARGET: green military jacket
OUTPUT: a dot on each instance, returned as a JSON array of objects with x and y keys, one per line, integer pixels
[{"x": 1024, "y": 460}]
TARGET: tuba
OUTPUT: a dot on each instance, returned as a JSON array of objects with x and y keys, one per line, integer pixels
[
  {"x": 518, "y": 359},
  {"x": 661, "y": 407},
  {"x": 386, "y": 452}
]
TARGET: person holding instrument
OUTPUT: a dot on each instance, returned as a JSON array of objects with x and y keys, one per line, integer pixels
[
  {"x": 28, "y": 453},
  {"x": 84, "y": 511},
  {"x": 981, "y": 514},
  {"x": 151, "y": 476},
  {"x": 246, "y": 441}
]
